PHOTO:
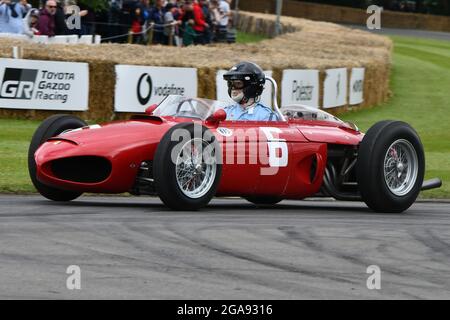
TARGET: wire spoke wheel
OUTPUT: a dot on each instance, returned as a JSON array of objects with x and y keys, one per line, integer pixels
[
  {"x": 187, "y": 171},
  {"x": 390, "y": 166},
  {"x": 400, "y": 167},
  {"x": 194, "y": 174}
]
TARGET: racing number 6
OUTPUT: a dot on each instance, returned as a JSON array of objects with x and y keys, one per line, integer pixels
[{"x": 275, "y": 143}]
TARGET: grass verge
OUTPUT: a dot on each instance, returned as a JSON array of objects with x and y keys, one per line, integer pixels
[
  {"x": 15, "y": 137},
  {"x": 420, "y": 84},
  {"x": 242, "y": 37}
]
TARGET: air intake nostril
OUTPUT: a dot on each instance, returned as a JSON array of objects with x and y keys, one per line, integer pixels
[{"x": 86, "y": 169}]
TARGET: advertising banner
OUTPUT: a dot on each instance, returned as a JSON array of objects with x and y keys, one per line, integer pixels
[
  {"x": 335, "y": 88},
  {"x": 357, "y": 86},
  {"x": 300, "y": 87},
  {"x": 44, "y": 85},
  {"x": 138, "y": 87}
]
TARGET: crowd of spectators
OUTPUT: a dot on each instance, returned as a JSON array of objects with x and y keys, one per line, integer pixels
[
  {"x": 167, "y": 22},
  {"x": 173, "y": 22},
  {"x": 50, "y": 18}
]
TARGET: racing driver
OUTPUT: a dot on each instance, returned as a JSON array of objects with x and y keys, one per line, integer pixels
[{"x": 245, "y": 86}]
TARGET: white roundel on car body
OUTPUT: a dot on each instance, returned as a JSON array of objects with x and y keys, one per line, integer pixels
[{"x": 225, "y": 132}]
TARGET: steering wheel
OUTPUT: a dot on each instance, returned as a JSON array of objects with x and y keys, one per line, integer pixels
[{"x": 200, "y": 102}]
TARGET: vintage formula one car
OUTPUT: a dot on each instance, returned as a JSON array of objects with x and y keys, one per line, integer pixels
[{"x": 186, "y": 152}]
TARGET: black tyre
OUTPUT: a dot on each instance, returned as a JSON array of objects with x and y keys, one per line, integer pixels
[
  {"x": 51, "y": 127},
  {"x": 187, "y": 167},
  {"x": 263, "y": 201},
  {"x": 390, "y": 167}
]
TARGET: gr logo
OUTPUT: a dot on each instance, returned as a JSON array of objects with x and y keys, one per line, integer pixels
[
  {"x": 144, "y": 89},
  {"x": 18, "y": 83}
]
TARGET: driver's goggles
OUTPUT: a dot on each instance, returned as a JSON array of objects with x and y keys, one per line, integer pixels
[{"x": 236, "y": 84}]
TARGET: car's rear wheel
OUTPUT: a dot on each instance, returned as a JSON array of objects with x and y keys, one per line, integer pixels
[
  {"x": 390, "y": 167},
  {"x": 51, "y": 127},
  {"x": 187, "y": 167},
  {"x": 263, "y": 201}
]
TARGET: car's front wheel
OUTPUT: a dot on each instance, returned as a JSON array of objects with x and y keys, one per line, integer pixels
[
  {"x": 390, "y": 167},
  {"x": 50, "y": 127},
  {"x": 187, "y": 167}
]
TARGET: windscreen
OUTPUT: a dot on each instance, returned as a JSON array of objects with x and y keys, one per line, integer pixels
[
  {"x": 185, "y": 107},
  {"x": 309, "y": 113}
]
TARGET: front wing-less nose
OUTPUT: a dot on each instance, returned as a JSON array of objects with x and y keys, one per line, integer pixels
[{"x": 95, "y": 167}]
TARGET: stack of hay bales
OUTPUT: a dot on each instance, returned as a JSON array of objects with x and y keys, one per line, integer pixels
[{"x": 304, "y": 45}]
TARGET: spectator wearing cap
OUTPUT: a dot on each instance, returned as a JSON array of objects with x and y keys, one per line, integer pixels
[{"x": 47, "y": 19}]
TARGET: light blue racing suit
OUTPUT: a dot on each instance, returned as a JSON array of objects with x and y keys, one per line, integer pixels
[{"x": 256, "y": 112}]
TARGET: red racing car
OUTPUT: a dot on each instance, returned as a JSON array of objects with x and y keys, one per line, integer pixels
[{"x": 186, "y": 152}]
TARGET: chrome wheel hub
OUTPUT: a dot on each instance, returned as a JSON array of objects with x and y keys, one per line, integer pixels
[
  {"x": 401, "y": 167},
  {"x": 194, "y": 175}
]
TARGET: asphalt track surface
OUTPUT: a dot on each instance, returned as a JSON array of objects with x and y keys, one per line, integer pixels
[{"x": 136, "y": 248}]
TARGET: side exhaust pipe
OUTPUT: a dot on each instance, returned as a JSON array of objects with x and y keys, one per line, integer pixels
[{"x": 431, "y": 184}]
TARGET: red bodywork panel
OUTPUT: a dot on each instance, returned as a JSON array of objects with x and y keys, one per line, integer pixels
[{"x": 293, "y": 145}]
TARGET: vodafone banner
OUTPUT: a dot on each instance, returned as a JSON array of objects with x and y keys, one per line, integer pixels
[
  {"x": 44, "y": 85},
  {"x": 300, "y": 87},
  {"x": 138, "y": 87},
  {"x": 335, "y": 88}
]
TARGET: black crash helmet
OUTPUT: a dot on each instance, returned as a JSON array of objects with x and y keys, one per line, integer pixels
[{"x": 252, "y": 76}]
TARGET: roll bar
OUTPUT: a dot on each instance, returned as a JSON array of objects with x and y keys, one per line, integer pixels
[{"x": 275, "y": 98}]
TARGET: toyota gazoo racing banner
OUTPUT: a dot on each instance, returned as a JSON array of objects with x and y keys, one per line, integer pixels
[
  {"x": 44, "y": 85},
  {"x": 138, "y": 87}
]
